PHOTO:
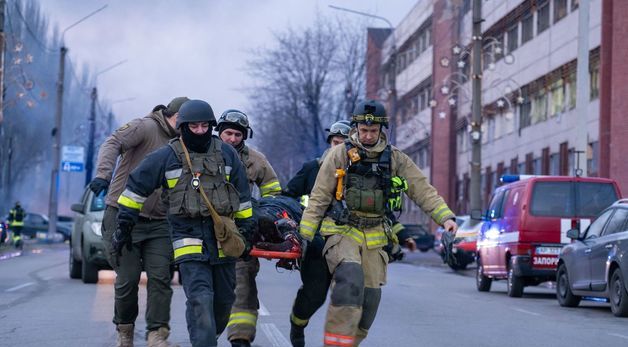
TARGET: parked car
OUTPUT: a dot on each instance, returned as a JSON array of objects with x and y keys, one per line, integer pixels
[
  {"x": 595, "y": 263},
  {"x": 87, "y": 252},
  {"x": 4, "y": 228},
  {"x": 422, "y": 237},
  {"x": 64, "y": 226},
  {"x": 465, "y": 243},
  {"x": 439, "y": 232},
  {"x": 526, "y": 226},
  {"x": 37, "y": 223}
]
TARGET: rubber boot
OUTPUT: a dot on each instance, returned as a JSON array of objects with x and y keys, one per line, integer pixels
[
  {"x": 125, "y": 335},
  {"x": 240, "y": 343},
  {"x": 159, "y": 338},
  {"x": 297, "y": 335}
]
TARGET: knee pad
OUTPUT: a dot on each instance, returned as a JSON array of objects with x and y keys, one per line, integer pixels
[
  {"x": 348, "y": 285},
  {"x": 372, "y": 297}
]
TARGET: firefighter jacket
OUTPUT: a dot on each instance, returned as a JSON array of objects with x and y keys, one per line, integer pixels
[
  {"x": 132, "y": 143},
  {"x": 16, "y": 217},
  {"x": 223, "y": 178},
  {"x": 260, "y": 172},
  {"x": 377, "y": 234}
]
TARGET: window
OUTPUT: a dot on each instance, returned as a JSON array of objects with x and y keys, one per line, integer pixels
[
  {"x": 495, "y": 208},
  {"x": 574, "y": 4},
  {"x": 595, "y": 229},
  {"x": 521, "y": 168},
  {"x": 498, "y": 49},
  {"x": 538, "y": 166},
  {"x": 525, "y": 109},
  {"x": 538, "y": 111},
  {"x": 616, "y": 224},
  {"x": 513, "y": 38},
  {"x": 98, "y": 202},
  {"x": 554, "y": 164},
  {"x": 491, "y": 129},
  {"x": 558, "y": 98},
  {"x": 543, "y": 17},
  {"x": 592, "y": 198},
  {"x": 571, "y": 87},
  {"x": 593, "y": 155},
  {"x": 552, "y": 199},
  {"x": 560, "y": 9},
  {"x": 527, "y": 28},
  {"x": 595, "y": 82}
]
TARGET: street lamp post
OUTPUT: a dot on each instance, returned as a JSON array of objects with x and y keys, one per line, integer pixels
[
  {"x": 475, "y": 201},
  {"x": 56, "y": 132},
  {"x": 392, "y": 94}
]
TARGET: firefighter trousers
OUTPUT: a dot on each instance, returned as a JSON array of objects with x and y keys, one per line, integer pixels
[
  {"x": 243, "y": 319},
  {"x": 151, "y": 254},
  {"x": 358, "y": 273},
  {"x": 315, "y": 278}
]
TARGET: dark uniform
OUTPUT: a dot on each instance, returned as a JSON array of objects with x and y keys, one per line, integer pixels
[
  {"x": 208, "y": 275},
  {"x": 16, "y": 223}
]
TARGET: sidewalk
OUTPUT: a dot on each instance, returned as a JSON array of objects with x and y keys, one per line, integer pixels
[{"x": 8, "y": 251}]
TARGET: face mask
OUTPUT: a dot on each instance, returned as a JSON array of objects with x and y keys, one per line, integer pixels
[{"x": 195, "y": 143}]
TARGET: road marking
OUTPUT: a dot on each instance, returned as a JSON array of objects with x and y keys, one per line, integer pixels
[
  {"x": 263, "y": 311},
  {"x": 525, "y": 311},
  {"x": 619, "y": 335},
  {"x": 274, "y": 335},
  {"x": 19, "y": 287}
]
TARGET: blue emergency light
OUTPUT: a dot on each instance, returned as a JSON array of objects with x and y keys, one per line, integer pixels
[{"x": 515, "y": 178}]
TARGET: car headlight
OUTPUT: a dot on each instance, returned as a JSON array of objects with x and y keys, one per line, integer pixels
[{"x": 97, "y": 228}]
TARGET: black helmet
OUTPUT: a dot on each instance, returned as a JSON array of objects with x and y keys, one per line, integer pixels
[
  {"x": 237, "y": 119},
  {"x": 196, "y": 111},
  {"x": 369, "y": 112},
  {"x": 340, "y": 128}
]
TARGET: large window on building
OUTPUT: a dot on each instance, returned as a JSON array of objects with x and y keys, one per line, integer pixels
[
  {"x": 525, "y": 109},
  {"x": 557, "y": 105},
  {"x": 527, "y": 27},
  {"x": 554, "y": 164},
  {"x": 595, "y": 81},
  {"x": 538, "y": 112},
  {"x": 560, "y": 9},
  {"x": 513, "y": 38},
  {"x": 543, "y": 16}
]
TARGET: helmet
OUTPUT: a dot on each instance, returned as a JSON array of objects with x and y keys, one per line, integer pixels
[
  {"x": 340, "y": 128},
  {"x": 196, "y": 111},
  {"x": 237, "y": 119},
  {"x": 369, "y": 112}
]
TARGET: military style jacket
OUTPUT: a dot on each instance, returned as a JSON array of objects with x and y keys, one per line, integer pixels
[
  {"x": 191, "y": 227},
  {"x": 323, "y": 194},
  {"x": 132, "y": 143},
  {"x": 260, "y": 172}
]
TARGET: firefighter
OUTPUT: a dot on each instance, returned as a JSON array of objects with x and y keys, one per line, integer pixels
[
  {"x": 315, "y": 276},
  {"x": 357, "y": 179},
  {"x": 234, "y": 128},
  {"x": 151, "y": 249},
  {"x": 16, "y": 223},
  {"x": 207, "y": 189}
]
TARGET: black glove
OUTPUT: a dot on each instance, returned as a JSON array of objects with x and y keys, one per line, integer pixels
[
  {"x": 97, "y": 185},
  {"x": 122, "y": 237}
]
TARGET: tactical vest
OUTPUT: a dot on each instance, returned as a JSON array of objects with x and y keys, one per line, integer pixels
[
  {"x": 367, "y": 184},
  {"x": 187, "y": 201}
]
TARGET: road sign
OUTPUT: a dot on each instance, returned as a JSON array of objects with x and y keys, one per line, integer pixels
[{"x": 72, "y": 158}]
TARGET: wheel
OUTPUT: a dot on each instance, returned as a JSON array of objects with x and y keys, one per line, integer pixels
[
  {"x": 74, "y": 265},
  {"x": 89, "y": 272},
  {"x": 619, "y": 296},
  {"x": 483, "y": 283},
  {"x": 563, "y": 289},
  {"x": 515, "y": 283}
]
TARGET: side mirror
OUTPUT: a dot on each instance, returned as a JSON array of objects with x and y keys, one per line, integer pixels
[
  {"x": 77, "y": 208},
  {"x": 573, "y": 234},
  {"x": 477, "y": 215}
]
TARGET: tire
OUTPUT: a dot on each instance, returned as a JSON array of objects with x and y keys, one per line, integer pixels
[
  {"x": 515, "y": 283},
  {"x": 563, "y": 289},
  {"x": 483, "y": 283},
  {"x": 75, "y": 266},
  {"x": 618, "y": 294},
  {"x": 89, "y": 272}
]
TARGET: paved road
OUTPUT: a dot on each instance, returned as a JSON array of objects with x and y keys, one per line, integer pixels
[{"x": 424, "y": 304}]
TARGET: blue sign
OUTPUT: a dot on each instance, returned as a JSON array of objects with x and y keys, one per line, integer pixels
[{"x": 72, "y": 167}]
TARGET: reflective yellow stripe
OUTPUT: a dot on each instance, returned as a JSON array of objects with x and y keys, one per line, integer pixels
[
  {"x": 376, "y": 239},
  {"x": 221, "y": 254},
  {"x": 192, "y": 249},
  {"x": 272, "y": 187},
  {"x": 355, "y": 234},
  {"x": 307, "y": 229},
  {"x": 127, "y": 202},
  {"x": 246, "y": 213},
  {"x": 397, "y": 227},
  {"x": 228, "y": 177},
  {"x": 242, "y": 318},
  {"x": 172, "y": 182},
  {"x": 439, "y": 212},
  {"x": 16, "y": 224},
  {"x": 298, "y": 321}
]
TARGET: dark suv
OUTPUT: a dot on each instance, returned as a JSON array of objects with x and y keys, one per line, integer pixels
[{"x": 595, "y": 263}]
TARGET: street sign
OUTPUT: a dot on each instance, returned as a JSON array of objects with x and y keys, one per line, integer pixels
[{"x": 72, "y": 158}]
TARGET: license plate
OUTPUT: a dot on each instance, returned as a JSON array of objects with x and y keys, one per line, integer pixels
[{"x": 548, "y": 250}]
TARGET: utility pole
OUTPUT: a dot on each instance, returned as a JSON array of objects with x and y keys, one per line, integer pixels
[
  {"x": 582, "y": 87},
  {"x": 475, "y": 202},
  {"x": 2, "y": 44},
  {"x": 89, "y": 161}
]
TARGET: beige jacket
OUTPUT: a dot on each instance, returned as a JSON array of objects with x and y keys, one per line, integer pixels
[{"x": 260, "y": 172}]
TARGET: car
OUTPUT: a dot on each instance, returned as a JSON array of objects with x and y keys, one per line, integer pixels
[
  {"x": 37, "y": 224},
  {"x": 594, "y": 264},
  {"x": 4, "y": 228},
  {"x": 422, "y": 237},
  {"x": 526, "y": 226},
  {"x": 64, "y": 226},
  {"x": 465, "y": 243},
  {"x": 87, "y": 251}
]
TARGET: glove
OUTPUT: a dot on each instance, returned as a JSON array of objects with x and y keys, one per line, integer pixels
[
  {"x": 122, "y": 237},
  {"x": 447, "y": 241},
  {"x": 97, "y": 185}
]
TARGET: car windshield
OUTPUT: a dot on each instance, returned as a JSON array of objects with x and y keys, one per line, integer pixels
[
  {"x": 571, "y": 199},
  {"x": 98, "y": 202}
]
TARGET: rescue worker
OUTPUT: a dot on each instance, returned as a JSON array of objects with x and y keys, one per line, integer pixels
[
  {"x": 315, "y": 276},
  {"x": 357, "y": 180},
  {"x": 207, "y": 189},
  {"x": 151, "y": 249},
  {"x": 234, "y": 128},
  {"x": 16, "y": 223}
]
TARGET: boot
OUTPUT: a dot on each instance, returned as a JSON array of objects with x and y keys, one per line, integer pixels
[
  {"x": 125, "y": 335},
  {"x": 297, "y": 335},
  {"x": 159, "y": 337},
  {"x": 240, "y": 343}
]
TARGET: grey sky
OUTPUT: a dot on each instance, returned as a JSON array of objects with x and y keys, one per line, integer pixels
[{"x": 195, "y": 48}]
